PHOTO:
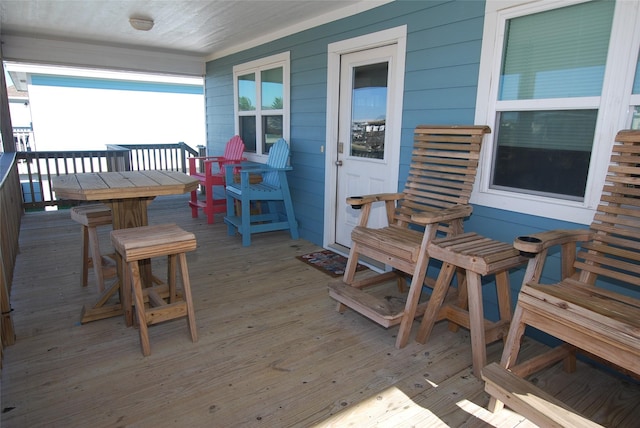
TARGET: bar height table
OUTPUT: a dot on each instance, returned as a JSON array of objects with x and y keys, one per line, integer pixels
[{"x": 128, "y": 193}]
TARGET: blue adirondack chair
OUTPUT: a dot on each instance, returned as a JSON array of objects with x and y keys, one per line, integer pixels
[{"x": 272, "y": 189}]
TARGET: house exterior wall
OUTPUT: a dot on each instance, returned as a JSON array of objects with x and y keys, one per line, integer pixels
[
  {"x": 441, "y": 76},
  {"x": 443, "y": 53}
]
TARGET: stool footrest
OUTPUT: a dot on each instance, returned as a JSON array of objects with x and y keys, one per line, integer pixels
[
  {"x": 166, "y": 312},
  {"x": 492, "y": 330}
]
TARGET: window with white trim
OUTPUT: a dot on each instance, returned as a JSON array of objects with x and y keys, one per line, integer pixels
[
  {"x": 261, "y": 94},
  {"x": 552, "y": 77}
]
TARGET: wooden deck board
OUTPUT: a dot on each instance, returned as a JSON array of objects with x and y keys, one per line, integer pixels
[{"x": 272, "y": 350}]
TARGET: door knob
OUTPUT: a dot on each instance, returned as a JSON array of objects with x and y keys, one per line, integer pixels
[{"x": 339, "y": 163}]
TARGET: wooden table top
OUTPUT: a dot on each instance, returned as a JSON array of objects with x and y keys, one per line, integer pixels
[{"x": 101, "y": 186}]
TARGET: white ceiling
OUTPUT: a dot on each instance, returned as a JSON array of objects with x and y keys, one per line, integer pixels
[{"x": 205, "y": 28}]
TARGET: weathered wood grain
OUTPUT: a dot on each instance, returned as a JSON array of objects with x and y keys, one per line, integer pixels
[{"x": 271, "y": 352}]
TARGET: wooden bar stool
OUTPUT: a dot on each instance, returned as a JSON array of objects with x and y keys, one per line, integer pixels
[
  {"x": 473, "y": 256},
  {"x": 161, "y": 302},
  {"x": 90, "y": 218}
]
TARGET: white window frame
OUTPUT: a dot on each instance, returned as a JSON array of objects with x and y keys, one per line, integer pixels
[
  {"x": 267, "y": 63},
  {"x": 614, "y": 111}
]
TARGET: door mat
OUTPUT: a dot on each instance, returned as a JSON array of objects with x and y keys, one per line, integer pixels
[{"x": 328, "y": 262}]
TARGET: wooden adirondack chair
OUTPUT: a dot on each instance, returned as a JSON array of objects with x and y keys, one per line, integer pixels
[
  {"x": 435, "y": 199},
  {"x": 213, "y": 174},
  {"x": 273, "y": 188},
  {"x": 584, "y": 309}
]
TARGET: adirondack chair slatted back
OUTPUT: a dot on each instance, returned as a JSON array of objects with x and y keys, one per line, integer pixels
[
  {"x": 442, "y": 171},
  {"x": 615, "y": 250},
  {"x": 232, "y": 153},
  {"x": 278, "y": 158},
  {"x": 594, "y": 308}
]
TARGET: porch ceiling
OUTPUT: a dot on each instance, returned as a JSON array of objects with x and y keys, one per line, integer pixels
[{"x": 203, "y": 28}]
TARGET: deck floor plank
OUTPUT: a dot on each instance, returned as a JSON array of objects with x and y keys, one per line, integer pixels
[{"x": 272, "y": 349}]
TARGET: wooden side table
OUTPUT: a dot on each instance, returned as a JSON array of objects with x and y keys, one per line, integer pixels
[{"x": 475, "y": 256}]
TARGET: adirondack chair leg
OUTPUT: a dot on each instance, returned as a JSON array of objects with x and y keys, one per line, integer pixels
[
  {"x": 208, "y": 208},
  {"x": 194, "y": 204},
  {"x": 293, "y": 223},
  {"x": 231, "y": 230},
  {"x": 245, "y": 227}
]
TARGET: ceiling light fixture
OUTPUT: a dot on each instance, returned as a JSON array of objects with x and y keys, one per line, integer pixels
[{"x": 142, "y": 24}]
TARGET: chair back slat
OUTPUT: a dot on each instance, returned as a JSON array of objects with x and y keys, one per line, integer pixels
[
  {"x": 278, "y": 158},
  {"x": 443, "y": 168},
  {"x": 233, "y": 152},
  {"x": 614, "y": 252}
]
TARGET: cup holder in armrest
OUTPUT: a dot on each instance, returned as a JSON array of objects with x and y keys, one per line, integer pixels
[
  {"x": 529, "y": 240},
  {"x": 357, "y": 206}
]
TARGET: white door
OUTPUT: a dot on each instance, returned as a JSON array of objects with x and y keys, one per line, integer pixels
[{"x": 366, "y": 155}]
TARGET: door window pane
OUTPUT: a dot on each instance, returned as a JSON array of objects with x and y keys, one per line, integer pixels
[
  {"x": 271, "y": 81},
  {"x": 636, "y": 81},
  {"x": 559, "y": 53},
  {"x": 369, "y": 110},
  {"x": 247, "y": 92},
  {"x": 635, "y": 119},
  {"x": 544, "y": 152}
]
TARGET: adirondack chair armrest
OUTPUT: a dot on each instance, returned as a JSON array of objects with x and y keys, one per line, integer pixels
[
  {"x": 536, "y": 248},
  {"x": 212, "y": 159},
  {"x": 538, "y": 242},
  {"x": 223, "y": 162},
  {"x": 357, "y": 202},
  {"x": 235, "y": 167},
  {"x": 445, "y": 215},
  {"x": 260, "y": 168},
  {"x": 205, "y": 161}
]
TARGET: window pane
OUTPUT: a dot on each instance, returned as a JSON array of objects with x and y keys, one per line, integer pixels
[
  {"x": 544, "y": 152},
  {"x": 272, "y": 131},
  {"x": 248, "y": 132},
  {"x": 272, "y": 89},
  {"x": 559, "y": 53},
  {"x": 247, "y": 92},
  {"x": 369, "y": 110}
]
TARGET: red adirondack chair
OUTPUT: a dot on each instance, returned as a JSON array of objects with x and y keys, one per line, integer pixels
[{"x": 211, "y": 174}]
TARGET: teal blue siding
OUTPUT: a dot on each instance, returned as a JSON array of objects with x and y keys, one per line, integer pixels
[{"x": 443, "y": 52}]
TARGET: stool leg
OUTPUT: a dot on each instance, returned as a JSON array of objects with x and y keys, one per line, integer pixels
[
  {"x": 140, "y": 312},
  {"x": 504, "y": 295},
  {"x": 171, "y": 277},
  {"x": 435, "y": 302},
  {"x": 186, "y": 285},
  {"x": 463, "y": 298},
  {"x": 86, "y": 258},
  {"x": 124, "y": 289},
  {"x": 476, "y": 323},
  {"x": 96, "y": 258}
]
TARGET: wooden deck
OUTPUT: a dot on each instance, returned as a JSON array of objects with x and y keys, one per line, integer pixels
[{"x": 273, "y": 352}]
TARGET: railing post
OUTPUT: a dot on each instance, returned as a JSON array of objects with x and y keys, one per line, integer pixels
[
  {"x": 183, "y": 157},
  {"x": 202, "y": 152}
]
